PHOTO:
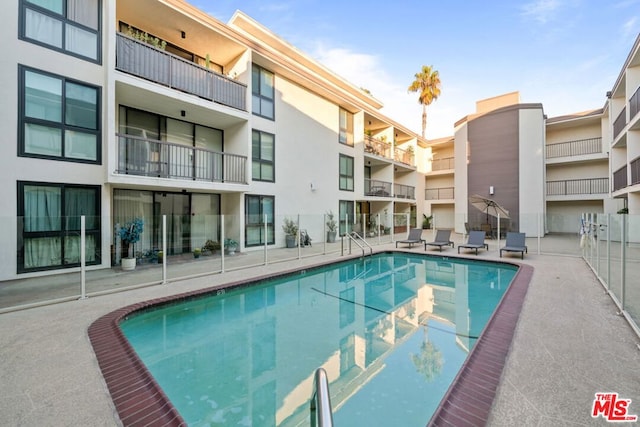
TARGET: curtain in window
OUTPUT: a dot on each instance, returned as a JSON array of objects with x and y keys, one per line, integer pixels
[
  {"x": 43, "y": 28},
  {"x": 84, "y": 12},
  {"x": 42, "y": 207},
  {"x": 81, "y": 41},
  {"x": 42, "y": 140}
]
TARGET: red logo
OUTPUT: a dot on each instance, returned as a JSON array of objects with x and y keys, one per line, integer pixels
[{"x": 611, "y": 408}]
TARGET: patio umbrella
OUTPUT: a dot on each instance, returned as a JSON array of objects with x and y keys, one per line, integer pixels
[{"x": 489, "y": 206}]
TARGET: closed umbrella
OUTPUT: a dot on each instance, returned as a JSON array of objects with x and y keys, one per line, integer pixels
[{"x": 489, "y": 206}]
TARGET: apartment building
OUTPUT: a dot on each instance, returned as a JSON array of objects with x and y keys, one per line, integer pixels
[{"x": 126, "y": 110}]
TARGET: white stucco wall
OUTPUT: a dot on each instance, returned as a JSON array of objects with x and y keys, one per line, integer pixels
[{"x": 532, "y": 170}]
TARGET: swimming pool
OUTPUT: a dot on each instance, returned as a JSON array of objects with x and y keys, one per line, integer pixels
[{"x": 392, "y": 331}]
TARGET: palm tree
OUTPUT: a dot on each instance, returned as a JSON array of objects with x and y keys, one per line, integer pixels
[{"x": 427, "y": 83}]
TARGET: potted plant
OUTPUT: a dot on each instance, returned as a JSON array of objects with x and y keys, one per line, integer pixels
[
  {"x": 210, "y": 247},
  {"x": 130, "y": 234},
  {"x": 197, "y": 252},
  {"x": 160, "y": 257},
  {"x": 331, "y": 227},
  {"x": 230, "y": 246},
  {"x": 290, "y": 228}
]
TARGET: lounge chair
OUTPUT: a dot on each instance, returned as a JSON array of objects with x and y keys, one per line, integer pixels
[
  {"x": 515, "y": 243},
  {"x": 415, "y": 236},
  {"x": 476, "y": 241},
  {"x": 443, "y": 238}
]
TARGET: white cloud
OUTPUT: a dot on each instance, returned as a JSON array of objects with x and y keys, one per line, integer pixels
[
  {"x": 367, "y": 71},
  {"x": 630, "y": 27},
  {"x": 541, "y": 10}
]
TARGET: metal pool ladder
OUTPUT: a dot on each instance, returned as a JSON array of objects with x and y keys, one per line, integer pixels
[
  {"x": 320, "y": 406},
  {"x": 358, "y": 240}
]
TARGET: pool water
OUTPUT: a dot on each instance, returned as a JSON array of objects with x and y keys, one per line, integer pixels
[{"x": 391, "y": 331}]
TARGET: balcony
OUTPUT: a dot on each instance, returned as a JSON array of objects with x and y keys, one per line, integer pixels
[
  {"x": 620, "y": 178},
  {"x": 404, "y": 156},
  {"x": 634, "y": 104},
  {"x": 373, "y": 187},
  {"x": 377, "y": 147},
  {"x": 620, "y": 123},
  {"x": 572, "y": 187},
  {"x": 446, "y": 163},
  {"x": 148, "y": 157},
  {"x": 401, "y": 191},
  {"x": 635, "y": 171},
  {"x": 444, "y": 193},
  {"x": 148, "y": 62},
  {"x": 579, "y": 147}
]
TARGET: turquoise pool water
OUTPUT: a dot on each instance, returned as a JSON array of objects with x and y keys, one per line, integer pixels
[{"x": 391, "y": 331}]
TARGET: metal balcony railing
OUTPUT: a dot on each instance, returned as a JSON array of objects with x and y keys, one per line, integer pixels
[
  {"x": 634, "y": 104},
  {"x": 574, "y": 148},
  {"x": 148, "y": 157},
  {"x": 373, "y": 187},
  {"x": 401, "y": 191},
  {"x": 439, "y": 193},
  {"x": 403, "y": 156},
  {"x": 377, "y": 147},
  {"x": 570, "y": 187},
  {"x": 620, "y": 178},
  {"x": 445, "y": 163},
  {"x": 146, "y": 61},
  {"x": 620, "y": 122},
  {"x": 635, "y": 171}
]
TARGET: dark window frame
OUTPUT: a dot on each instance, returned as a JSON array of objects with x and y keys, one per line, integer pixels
[
  {"x": 62, "y": 125},
  {"x": 257, "y": 158},
  {"x": 62, "y": 232},
  {"x": 25, "y": 4},
  {"x": 257, "y": 92},
  {"x": 271, "y": 239},
  {"x": 349, "y": 177}
]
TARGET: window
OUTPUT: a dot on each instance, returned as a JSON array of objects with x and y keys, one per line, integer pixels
[
  {"x": 263, "y": 92},
  {"x": 256, "y": 207},
  {"x": 49, "y": 236},
  {"x": 70, "y": 26},
  {"x": 60, "y": 118},
  {"x": 346, "y": 128},
  {"x": 346, "y": 173},
  {"x": 262, "y": 149}
]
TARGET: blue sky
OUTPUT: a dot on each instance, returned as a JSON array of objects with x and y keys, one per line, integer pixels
[{"x": 565, "y": 54}]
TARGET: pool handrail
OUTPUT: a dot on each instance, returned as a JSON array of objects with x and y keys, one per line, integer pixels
[
  {"x": 355, "y": 237},
  {"x": 320, "y": 405}
]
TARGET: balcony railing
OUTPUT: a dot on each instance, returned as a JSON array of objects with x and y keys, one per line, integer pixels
[
  {"x": 148, "y": 157},
  {"x": 373, "y": 187},
  {"x": 401, "y": 191},
  {"x": 403, "y": 156},
  {"x": 445, "y": 163},
  {"x": 438, "y": 193},
  {"x": 620, "y": 178},
  {"x": 377, "y": 147},
  {"x": 634, "y": 104},
  {"x": 144, "y": 60},
  {"x": 574, "y": 148},
  {"x": 620, "y": 122},
  {"x": 635, "y": 171},
  {"x": 571, "y": 187}
]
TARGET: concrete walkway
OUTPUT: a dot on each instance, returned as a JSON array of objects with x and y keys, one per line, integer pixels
[{"x": 569, "y": 344}]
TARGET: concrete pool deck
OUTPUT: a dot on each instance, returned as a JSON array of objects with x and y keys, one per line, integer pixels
[{"x": 569, "y": 344}]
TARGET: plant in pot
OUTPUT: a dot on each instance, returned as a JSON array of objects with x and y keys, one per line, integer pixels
[
  {"x": 426, "y": 221},
  {"x": 331, "y": 227},
  {"x": 210, "y": 247},
  {"x": 230, "y": 246},
  {"x": 197, "y": 252},
  {"x": 130, "y": 234},
  {"x": 290, "y": 228}
]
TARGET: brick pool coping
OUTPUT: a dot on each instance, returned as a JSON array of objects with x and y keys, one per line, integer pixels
[{"x": 139, "y": 400}]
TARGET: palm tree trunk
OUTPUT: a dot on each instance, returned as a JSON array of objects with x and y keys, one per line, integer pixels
[{"x": 424, "y": 119}]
